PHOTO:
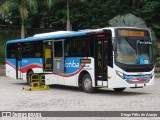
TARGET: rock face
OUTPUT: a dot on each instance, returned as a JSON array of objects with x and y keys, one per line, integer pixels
[{"x": 2, "y": 70}]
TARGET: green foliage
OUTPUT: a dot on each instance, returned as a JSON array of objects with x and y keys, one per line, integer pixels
[
  {"x": 157, "y": 53},
  {"x": 89, "y": 13},
  {"x": 128, "y": 20},
  {"x": 2, "y": 52},
  {"x": 149, "y": 11},
  {"x": 22, "y": 6},
  {"x": 4, "y": 36},
  {"x": 84, "y": 14}
]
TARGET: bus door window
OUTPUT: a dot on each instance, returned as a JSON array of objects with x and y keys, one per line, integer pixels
[
  {"x": 58, "y": 56},
  {"x": 99, "y": 56},
  {"x": 18, "y": 60},
  {"x": 105, "y": 55},
  {"x": 102, "y": 57}
]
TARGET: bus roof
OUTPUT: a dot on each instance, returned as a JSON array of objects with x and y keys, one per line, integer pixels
[
  {"x": 51, "y": 33},
  {"x": 48, "y": 36},
  {"x": 125, "y": 27},
  {"x": 63, "y": 34}
]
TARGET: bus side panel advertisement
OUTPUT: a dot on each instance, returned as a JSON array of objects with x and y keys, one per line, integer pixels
[{"x": 72, "y": 65}]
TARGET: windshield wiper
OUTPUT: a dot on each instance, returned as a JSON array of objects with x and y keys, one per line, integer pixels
[{"x": 131, "y": 43}]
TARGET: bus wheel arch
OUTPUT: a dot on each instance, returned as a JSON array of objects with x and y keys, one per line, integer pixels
[
  {"x": 85, "y": 82},
  {"x": 83, "y": 73},
  {"x": 28, "y": 76}
]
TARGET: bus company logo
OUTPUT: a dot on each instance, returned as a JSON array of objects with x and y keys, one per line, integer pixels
[{"x": 72, "y": 64}]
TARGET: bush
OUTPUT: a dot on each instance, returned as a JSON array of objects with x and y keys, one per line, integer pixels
[
  {"x": 6, "y": 35},
  {"x": 2, "y": 52},
  {"x": 156, "y": 52}
]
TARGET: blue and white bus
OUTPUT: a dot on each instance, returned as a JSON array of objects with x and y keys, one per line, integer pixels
[{"x": 113, "y": 57}]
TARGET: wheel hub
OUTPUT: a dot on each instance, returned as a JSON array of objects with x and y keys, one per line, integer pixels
[{"x": 87, "y": 83}]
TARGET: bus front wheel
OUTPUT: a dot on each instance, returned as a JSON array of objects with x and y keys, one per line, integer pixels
[
  {"x": 87, "y": 84},
  {"x": 119, "y": 89}
]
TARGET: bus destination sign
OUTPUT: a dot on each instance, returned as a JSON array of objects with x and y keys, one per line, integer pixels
[{"x": 131, "y": 33}]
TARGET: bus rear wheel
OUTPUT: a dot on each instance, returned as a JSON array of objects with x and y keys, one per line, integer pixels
[
  {"x": 87, "y": 84},
  {"x": 119, "y": 89},
  {"x": 29, "y": 77}
]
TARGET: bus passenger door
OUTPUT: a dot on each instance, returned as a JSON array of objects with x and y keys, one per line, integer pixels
[
  {"x": 58, "y": 56},
  {"x": 101, "y": 62},
  {"x": 58, "y": 59},
  {"x": 18, "y": 61},
  {"x": 47, "y": 56}
]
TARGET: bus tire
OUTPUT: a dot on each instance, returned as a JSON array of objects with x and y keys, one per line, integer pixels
[
  {"x": 119, "y": 89},
  {"x": 29, "y": 77},
  {"x": 87, "y": 84}
]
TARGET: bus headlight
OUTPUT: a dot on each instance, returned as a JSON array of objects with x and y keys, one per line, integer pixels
[
  {"x": 124, "y": 76},
  {"x": 120, "y": 74},
  {"x": 128, "y": 77}
]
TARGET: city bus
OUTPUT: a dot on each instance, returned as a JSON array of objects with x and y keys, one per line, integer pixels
[{"x": 111, "y": 57}]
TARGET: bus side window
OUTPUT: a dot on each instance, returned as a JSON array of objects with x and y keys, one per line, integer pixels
[
  {"x": 37, "y": 46},
  {"x": 38, "y": 55},
  {"x": 11, "y": 51},
  {"x": 80, "y": 46},
  {"x": 12, "y": 55}
]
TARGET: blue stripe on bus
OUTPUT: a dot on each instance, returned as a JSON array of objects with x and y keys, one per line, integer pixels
[{"x": 72, "y": 65}]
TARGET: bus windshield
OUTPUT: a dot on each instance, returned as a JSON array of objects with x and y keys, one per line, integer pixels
[{"x": 134, "y": 51}]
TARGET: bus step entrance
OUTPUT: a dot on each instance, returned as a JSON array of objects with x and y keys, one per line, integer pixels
[{"x": 37, "y": 83}]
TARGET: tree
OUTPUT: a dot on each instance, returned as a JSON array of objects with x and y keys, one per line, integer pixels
[
  {"x": 130, "y": 20},
  {"x": 149, "y": 11},
  {"x": 23, "y": 7},
  {"x": 68, "y": 25},
  {"x": 52, "y": 2},
  {"x": 127, "y": 20}
]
